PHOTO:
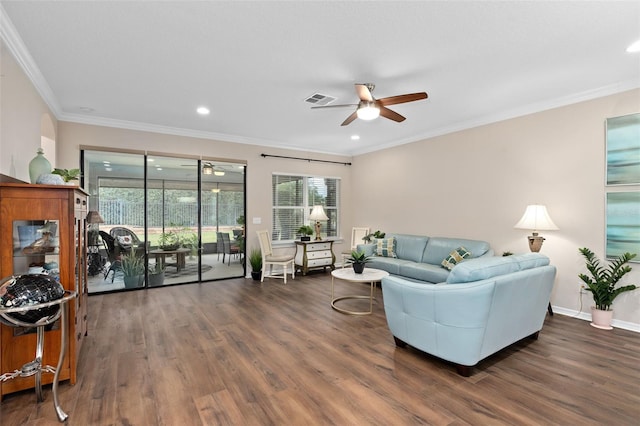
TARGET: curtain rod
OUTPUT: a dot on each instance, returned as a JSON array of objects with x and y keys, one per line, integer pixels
[{"x": 305, "y": 159}]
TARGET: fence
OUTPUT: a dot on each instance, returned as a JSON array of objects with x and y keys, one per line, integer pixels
[{"x": 117, "y": 212}]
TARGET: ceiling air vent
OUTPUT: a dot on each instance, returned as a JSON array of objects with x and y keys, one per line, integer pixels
[{"x": 319, "y": 99}]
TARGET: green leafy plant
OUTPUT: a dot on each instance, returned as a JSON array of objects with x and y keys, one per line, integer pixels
[
  {"x": 255, "y": 260},
  {"x": 358, "y": 257},
  {"x": 377, "y": 234},
  {"x": 305, "y": 230},
  {"x": 132, "y": 265},
  {"x": 603, "y": 280},
  {"x": 169, "y": 240},
  {"x": 67, "y": 174},
  {"x": 157, "y": 268},
  {"x": 240, "y": 220}
]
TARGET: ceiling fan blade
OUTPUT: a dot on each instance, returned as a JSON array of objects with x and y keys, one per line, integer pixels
[
  {"x": 363, "y": 92},
  {"x": 391, "y": 115},
  {"x": 400, "y": 99},
  {"x": 334, "y": 106},
  {"x": 350, "y": 118}
]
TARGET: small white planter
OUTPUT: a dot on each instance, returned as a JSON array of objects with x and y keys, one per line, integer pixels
[{"x": 601, "y": 319}]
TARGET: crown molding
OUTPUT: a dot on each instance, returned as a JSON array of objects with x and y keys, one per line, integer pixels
[
  {"x": 515, "y": 113},
  {"x": 14, "y": 43}
]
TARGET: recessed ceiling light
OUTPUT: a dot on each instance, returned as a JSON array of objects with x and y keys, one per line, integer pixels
[
  {"x": 106, "y": 162},
  {"x": 150, "y": 160},
  {"x": 355, "y": 137},
  {"x": 108, "y": 169},
  {"x": 203, "y": 110},
  {"x": 635, "y": 47},
  {"x": 158, "y": 168}
]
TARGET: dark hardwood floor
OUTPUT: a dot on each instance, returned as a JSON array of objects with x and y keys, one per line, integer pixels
[{"x": 237, "y": 353}]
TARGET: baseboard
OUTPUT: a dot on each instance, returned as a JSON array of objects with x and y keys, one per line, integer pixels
[{"x": 625, "y": 325}]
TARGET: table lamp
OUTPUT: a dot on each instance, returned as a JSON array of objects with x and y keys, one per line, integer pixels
[
  {"x": 537, "y": 219},
  {"x": 318, "y": 214}
]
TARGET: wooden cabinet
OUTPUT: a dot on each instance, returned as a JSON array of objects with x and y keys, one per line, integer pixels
[
  {"x": 314, "y": 254},
  {"x": 43, "y": 227}
]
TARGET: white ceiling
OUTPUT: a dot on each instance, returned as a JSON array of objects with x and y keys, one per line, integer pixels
[{"x": 148, "y": 65}]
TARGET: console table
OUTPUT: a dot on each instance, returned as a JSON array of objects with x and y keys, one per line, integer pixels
[{"x": 314, "y": 255}]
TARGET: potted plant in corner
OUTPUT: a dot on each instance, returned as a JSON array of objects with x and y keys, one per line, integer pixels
[
  {"x": 255, "y": 260},
  {"x": 305, "y": 232},
  {"x": 602, "y": 285},
  {"x": 156, "y": 275},
  {"x": 358, "y": 259},
  {"x": 133, "y": 269}
]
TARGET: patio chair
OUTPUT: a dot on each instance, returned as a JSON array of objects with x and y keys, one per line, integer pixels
[
  {"x": 228, "y": 248},
  {"x": 113, "y": 255},
  {"x": 270, "y": 259}
]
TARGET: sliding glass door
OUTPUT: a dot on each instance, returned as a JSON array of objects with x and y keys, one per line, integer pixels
[{"x": 179, "y": 220}]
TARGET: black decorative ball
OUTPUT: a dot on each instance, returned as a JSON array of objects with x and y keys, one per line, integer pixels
[{"x": 30, "y": 290}]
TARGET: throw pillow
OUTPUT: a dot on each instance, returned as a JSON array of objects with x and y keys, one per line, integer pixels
[
  {"x": 125, "y": 240},
  {"x": 386, "y": 247},
  {"x": 455, "y": 257}
]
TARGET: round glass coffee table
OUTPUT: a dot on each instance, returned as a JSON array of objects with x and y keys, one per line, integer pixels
[{"x": 369, "y": 275}]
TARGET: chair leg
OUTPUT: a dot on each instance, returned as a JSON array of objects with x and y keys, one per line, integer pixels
[{"x": 284, "y": 271}]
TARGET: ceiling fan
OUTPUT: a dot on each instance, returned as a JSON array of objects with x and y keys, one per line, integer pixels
[{"x": 369, "y": 108}]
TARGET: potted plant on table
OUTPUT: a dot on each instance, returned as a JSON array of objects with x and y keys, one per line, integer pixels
[
  {"x": 169, "y": 241},
  {"x": 602, "y": 285},
  {"x": 133, "y": 269},
  {"x": 67, "y": 174},
  {"x": 305, "y": 232},
  {"x": 255, "y": 260},
  {"x": 358, "y": 259}
]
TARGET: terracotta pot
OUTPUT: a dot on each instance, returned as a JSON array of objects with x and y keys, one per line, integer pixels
[{"x": 601, "y": 319}]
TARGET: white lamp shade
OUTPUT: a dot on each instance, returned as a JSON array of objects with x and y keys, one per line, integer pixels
[
  {"x": 318, "y": 213},
  {"x": 536, "y": 218}
]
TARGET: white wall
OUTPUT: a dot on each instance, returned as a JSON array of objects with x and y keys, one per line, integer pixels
[
  {"x": 477, "y": 183},
  {"x": 24, "y": 119}
]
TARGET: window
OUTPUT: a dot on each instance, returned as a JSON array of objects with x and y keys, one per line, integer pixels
[{"x": 293, "y": 199}]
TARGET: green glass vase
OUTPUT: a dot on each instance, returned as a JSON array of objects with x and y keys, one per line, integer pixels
[{"x": 38, "y": 166}]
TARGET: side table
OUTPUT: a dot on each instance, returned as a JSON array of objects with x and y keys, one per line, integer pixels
[
  {"x": 314, "y": 254},
  {"x": 35, "y": 367},
  {"x": 369, "y": 275}
]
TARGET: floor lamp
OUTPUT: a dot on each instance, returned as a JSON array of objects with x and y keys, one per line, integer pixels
[{"x": 536, "y": 218}]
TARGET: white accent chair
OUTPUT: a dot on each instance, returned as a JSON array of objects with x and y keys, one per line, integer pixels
[
  {"x": 357, "y": 235},
  {"x": 269, "y": 258}
]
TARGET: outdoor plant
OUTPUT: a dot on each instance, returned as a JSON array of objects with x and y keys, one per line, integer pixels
[
  {"x": 67, "y": 174},
  {"x": 132, "y": 265},
  {"x": 369, "y": 237},
  {"x": 157, "y": 268},
  {"x": 169, "y": 240},
  {"x": 603, "y": 280}
]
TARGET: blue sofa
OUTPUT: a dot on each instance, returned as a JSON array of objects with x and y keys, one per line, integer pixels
[
  {"x": 420, "y": 257},
  {"x": 483, "y": 306}
]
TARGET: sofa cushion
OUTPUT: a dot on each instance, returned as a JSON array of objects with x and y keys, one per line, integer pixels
[
  {"x": 389, "y": 264},
  {"x": 386, "y": 247},
  {"x": 410, "y": 247},
  {"x": 489, "y": 267},
  {"x": 455, "y": 257},
  {"x": 424, "y": 272},
  {"x": 439, "y": 247}
]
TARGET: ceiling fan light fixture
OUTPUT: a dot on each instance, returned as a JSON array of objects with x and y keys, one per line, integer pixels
[
  {"x": 207, "y": 169},
  {"x": 218, "y": 172},
  {"x": 368, "y": 111}
]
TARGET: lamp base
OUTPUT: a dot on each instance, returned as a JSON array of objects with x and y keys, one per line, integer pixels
[
  {"x": 318, "y": 237},
  {"x": 535, "y": 242}
]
